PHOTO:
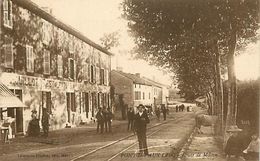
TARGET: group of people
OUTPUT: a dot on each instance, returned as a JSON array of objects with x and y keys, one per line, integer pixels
[
  {"x": 104, "y": 118},
  {"x": 242, "y": 146},
  {"x": 180, "y": 108},
  {"x": 163, "y": 110}
]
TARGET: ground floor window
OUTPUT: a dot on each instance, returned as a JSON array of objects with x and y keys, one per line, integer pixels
[
  {"x": 94, "y": 103},
  {"x": 70, "y": 97},
  {"x": 84, "y": 102},
  {"x": 46, "y": 101}
]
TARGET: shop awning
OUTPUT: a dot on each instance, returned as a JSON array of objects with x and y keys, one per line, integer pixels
[{"x": 8, "y": 99}]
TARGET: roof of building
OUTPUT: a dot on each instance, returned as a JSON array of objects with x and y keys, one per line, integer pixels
[
  {"x": 154, "y": 83},
  {"x": 34, "y": 8},
  {"x": 140, "y": 80}
]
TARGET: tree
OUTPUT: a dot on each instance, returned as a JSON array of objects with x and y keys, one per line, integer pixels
[
  {"x": 167, "y": 31},
  {"x": 110, "y": 40}
]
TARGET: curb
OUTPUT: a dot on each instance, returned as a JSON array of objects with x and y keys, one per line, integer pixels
[{"x": 186, "y": 145}]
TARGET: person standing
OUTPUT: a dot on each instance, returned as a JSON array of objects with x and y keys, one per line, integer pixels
[
  {"x": 158, "y": 113},
  {"x": 100, "y": 121},
  {"x": 233, "y": 145},
  {"x": 45, "y": 122},
  {"x": 164, "y": 111},
  {"x": 130, "y": 117},
  {"x": 141, "y": 120},
  {"x": 109, "y": 117},
  {"x": 105, "y": 114}
]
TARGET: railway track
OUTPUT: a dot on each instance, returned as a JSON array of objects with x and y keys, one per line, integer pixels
[{"x": 113, "y": 149}]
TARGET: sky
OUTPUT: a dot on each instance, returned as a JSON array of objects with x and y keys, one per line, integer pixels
[{"x": 94, "y": 18}]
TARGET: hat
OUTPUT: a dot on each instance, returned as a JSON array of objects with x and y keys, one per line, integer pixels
[
  {"x": 34, "y": 111},
  {"x": 233, "y": 128},
  {"x": 141, "y": 105}
]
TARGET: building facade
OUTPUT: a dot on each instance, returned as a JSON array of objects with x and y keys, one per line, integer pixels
[
  {"x": 136, "y": 90},
  {"x": 49, "y": 65}
]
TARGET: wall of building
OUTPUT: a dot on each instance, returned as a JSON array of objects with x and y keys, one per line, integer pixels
[
  {"x": 144, "y": 90},
  {"x": 73, "y": 66},
  {"x": 123, "y": 85}
]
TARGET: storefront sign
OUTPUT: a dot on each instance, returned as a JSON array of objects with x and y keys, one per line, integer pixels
[{"x": 26, "y": 81}]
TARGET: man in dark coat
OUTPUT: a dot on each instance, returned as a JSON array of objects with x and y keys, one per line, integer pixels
[
  {"x": 100, "y": 120},
  {"x": 130, "y": 117},
  {"x": 109, "y": 117},
  {"x": 234, "y": 143},
  {"x": 141, "y": 119},
  {"x": 164, "y": 111}
]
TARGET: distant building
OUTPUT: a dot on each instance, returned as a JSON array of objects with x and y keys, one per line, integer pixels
[
  {"x": 49, "y": 65},
  {"x": 134, "y": 90}
]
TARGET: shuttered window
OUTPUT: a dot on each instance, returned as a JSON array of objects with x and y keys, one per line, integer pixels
[
  {"x": 93, "y": 74},
  {"x": 46, "y": 61},
  {"x": 86, "y": 72},
  {"x": 7, "y": 13},
  {"x": 60, "y": 66},
  {"x": 8, "y": 52},
  {"x": 29, "y": 59},
  {"x": 102, "y": 76},
  {"x": 71, "y": 68}
]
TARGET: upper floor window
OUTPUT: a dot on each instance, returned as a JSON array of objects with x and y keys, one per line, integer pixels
[
  {"x": 7, "y": 13},
  {"x": 29, "y": 59},
  {"x": 8, "y": 52},
  {"x": 92, "y": 74},
  {"x": 60, "y": 66},
  {"x": 71, "y": 68},
  {"x": 46, "y": 61},
  {"x": 102, "y": 76},
  {"x": 143, "y": 95}
]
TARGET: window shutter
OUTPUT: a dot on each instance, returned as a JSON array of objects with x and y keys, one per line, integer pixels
[
  {"x": 46, "y": 62},
  {"x": 74, "y": 71},
  {"x": 60, "y": 66},
  {"x": 94, "y": 74},
  {"x": 8, "y": 50},
  {"x": 98, "y": 75},
  {"x": 85, "y": 72},
  {"x": 5, "y": 12},
  {"x": 10, "y": 14}
]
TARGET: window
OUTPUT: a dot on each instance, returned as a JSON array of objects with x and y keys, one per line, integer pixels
[
  {"x": 102, "y": 76},
  {"x": 84, "y": 102},
  {"x": 94, "y": 103},
  {"x": 71, "y": 68},
  {"x": 92, "y": 74},
  {"x": 46, "y": 101},
  {"x": 29, "y": 59},
  {"x": 137, "y": 95},
  {"x": 135, "y": 85},
  {"x": 149, "y": 95},
  {"x": 86, "y": 72},
  {"x": 71, "y": 106},
  {"x": 71, "y": 102},
  {"x": 60, "y": 66},
  {"x": 46, "y": 62},
  {"x": 7, "y": 13},
  {"x": 143, "y": 95},
  {"x": 8, "y": 52},
  {"x": 139, "y": 85}
]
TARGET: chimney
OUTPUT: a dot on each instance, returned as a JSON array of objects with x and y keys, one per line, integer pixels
[
  {"x": 138, "y": 75},
  {"x": 120, "y": 69}
]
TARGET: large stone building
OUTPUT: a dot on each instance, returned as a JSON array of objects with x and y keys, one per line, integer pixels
[{"x": 49, "y": 65}]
